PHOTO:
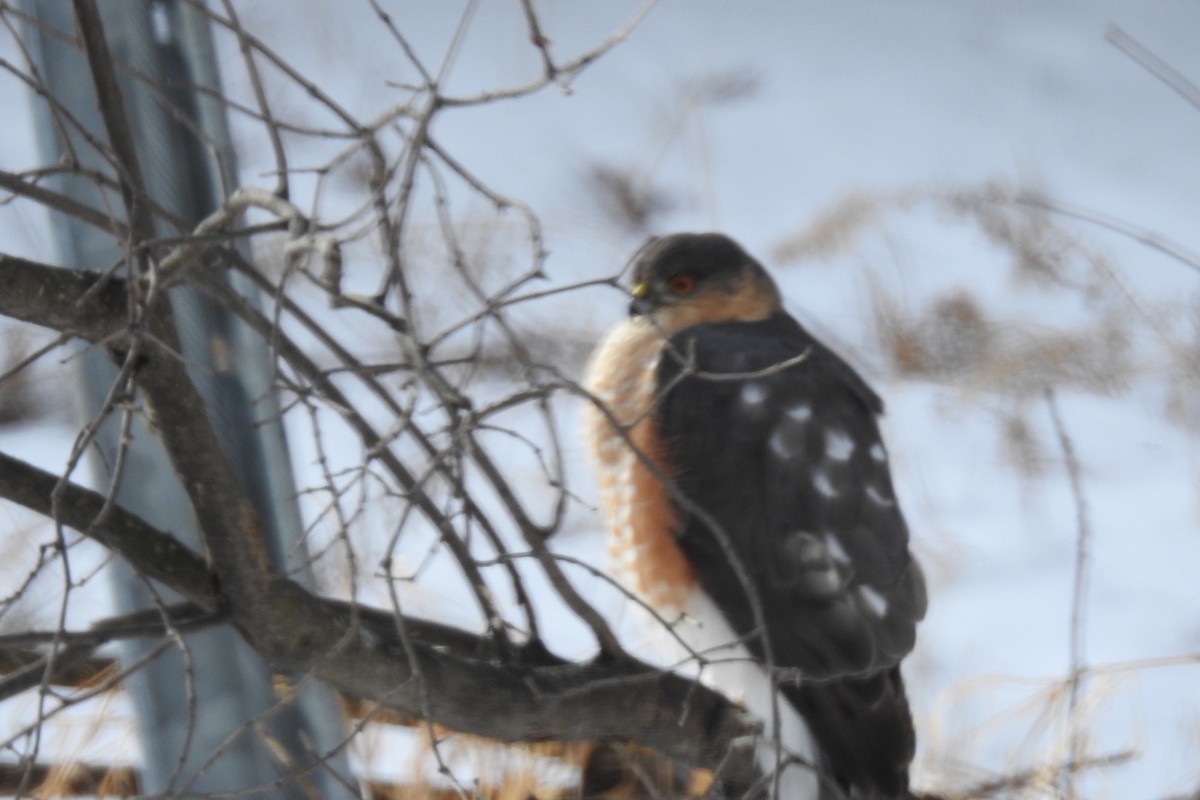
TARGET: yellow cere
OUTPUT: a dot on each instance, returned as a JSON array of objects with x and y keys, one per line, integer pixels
[{"x": 640, "y": 290}]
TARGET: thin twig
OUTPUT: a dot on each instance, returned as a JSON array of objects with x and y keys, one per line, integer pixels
[
  {"x": 564, "y": 73},
  {"x": 1080, "y": 580},
  {"x": 62, "y": 203},
  {"x": 260, "y": 97},
  {"x": 1174, "y": 79},
  {"x": 1139, "y": 234},
  {"x": 539, "y": 39}
]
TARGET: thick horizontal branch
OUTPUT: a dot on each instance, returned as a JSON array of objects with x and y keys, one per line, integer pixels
[
  {"x": 470, "y": 687},
  {"x": 65, "y": 300},
  {"x": 528, "y": 697},
  {"x": 83, "y": 674},
  {"x": 149, "y": 551}
]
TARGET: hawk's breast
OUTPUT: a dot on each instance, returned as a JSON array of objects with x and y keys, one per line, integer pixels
[{"x": 630, "y": 467}]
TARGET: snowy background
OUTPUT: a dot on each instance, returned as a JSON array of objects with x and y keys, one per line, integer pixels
[{"x": 851, "y": 147}]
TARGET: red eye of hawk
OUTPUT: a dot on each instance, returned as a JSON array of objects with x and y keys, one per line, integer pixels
[{"x": 681, "y": 283}]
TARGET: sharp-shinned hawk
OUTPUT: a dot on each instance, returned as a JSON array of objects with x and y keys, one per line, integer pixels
[{"x": 749, "y": 501}]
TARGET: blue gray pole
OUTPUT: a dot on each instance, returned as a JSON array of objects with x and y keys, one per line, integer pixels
[{"x": 217, "y": 726}]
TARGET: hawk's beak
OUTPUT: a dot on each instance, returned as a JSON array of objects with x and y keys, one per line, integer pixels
[{"x": 641, "y": 299}]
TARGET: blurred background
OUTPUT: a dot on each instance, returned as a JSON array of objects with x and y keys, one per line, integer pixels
[{"x": 988, "y": 208}]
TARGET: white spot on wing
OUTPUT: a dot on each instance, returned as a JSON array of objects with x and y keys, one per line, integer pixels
[
  {"x": 878, "y": 497},
  {"x": 838, "y": 444},
  {"x": 800, "y": 412},
  {"x": 836, "y": 551},
  {"x": 753, "y": 394},
  {"x": 877, "y": 452},
  {"x": 874, "y": 600},
  {"x": 821, "y": 484},
  {"x": 782, "y": 445}
]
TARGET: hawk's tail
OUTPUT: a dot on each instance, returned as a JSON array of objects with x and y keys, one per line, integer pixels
[{"x": 864, "y": 734}]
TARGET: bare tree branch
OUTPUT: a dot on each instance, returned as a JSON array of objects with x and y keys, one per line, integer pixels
[
  {"x": 149, "y": 551},
  {"x": 79, "y": 303},
  {"x": 63, "y": 203},
  {"x": 72, "y": 651},
  {"x": 358, "y": 651},
  {"x": 112, "y": 110}
]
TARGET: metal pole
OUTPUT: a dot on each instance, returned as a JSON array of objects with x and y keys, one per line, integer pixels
[{"x": 202, "y": 742}]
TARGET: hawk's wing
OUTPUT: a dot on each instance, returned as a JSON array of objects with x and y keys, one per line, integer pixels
[
  {"x": 772, "y": 440},
  {"x": 786, "y": 504}
]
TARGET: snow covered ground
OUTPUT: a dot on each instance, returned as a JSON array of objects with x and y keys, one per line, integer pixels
[{"x": 900, "y": 105}]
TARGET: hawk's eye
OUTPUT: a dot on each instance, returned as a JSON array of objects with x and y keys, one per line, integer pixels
[{"x": 681, "y": 283}]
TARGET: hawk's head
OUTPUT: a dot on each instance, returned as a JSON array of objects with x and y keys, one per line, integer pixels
[{"x": 689, "y": 278}]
